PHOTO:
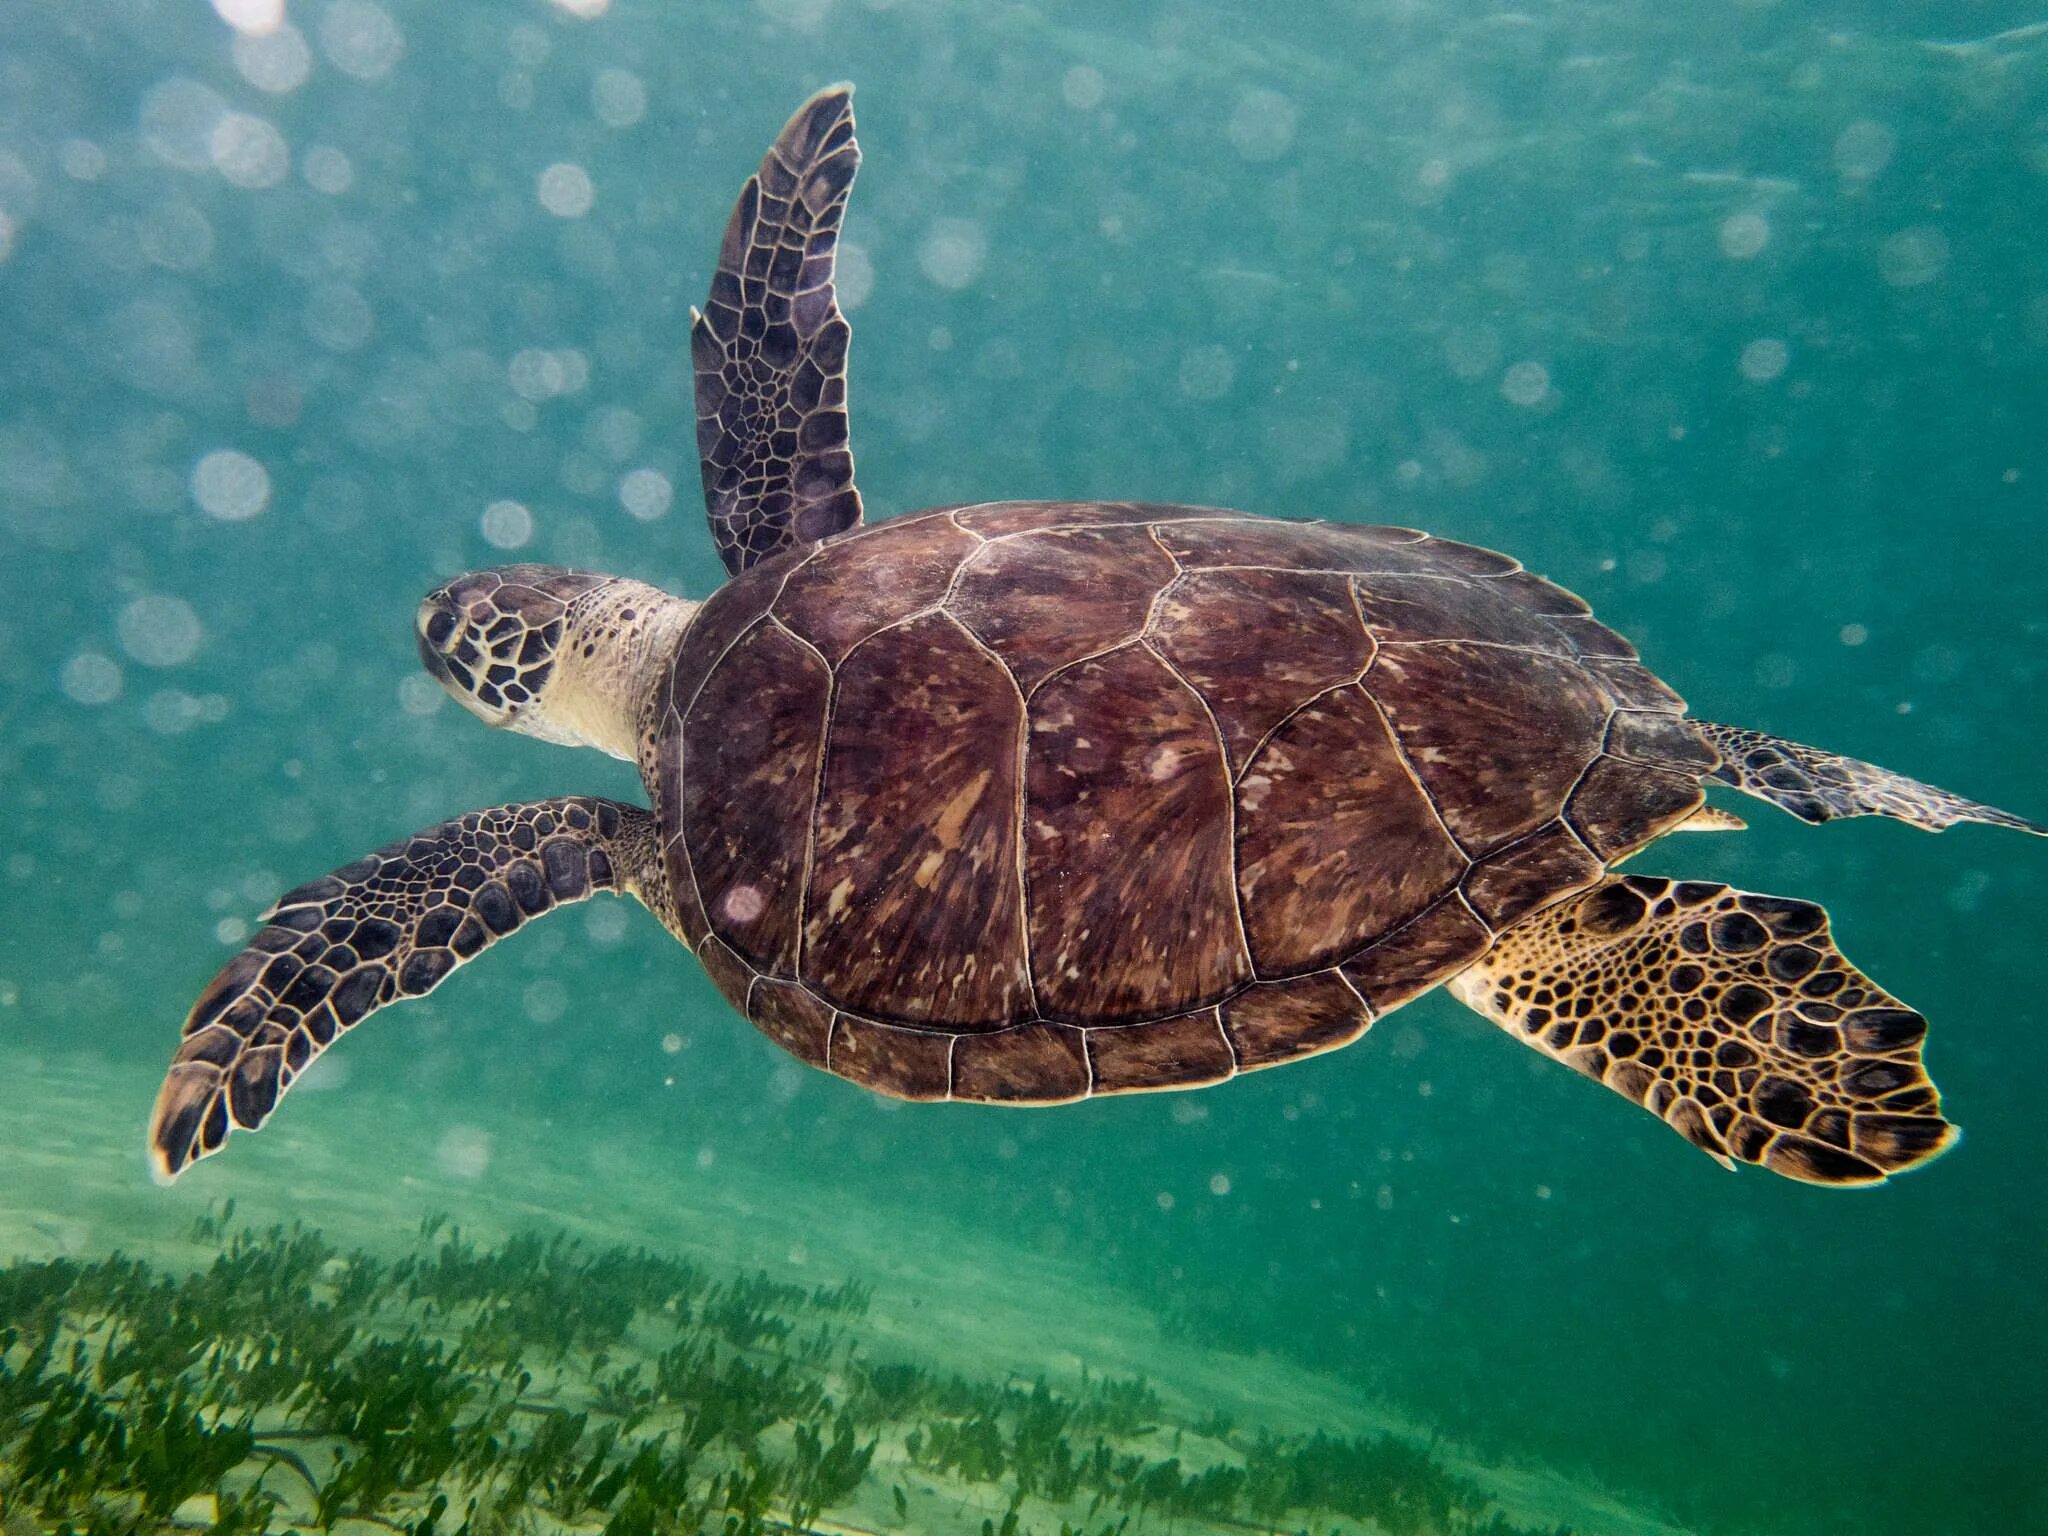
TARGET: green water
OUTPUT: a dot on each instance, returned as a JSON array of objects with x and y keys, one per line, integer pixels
[{"x": 1733, "y": 318}]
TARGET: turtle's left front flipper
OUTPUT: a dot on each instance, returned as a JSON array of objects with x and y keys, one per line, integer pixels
[
  {"x": 385, "y": 928},
  {"x": 1731, "y": 1016}
]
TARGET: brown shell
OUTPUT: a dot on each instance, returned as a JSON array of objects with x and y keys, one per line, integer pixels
[{"x": 1033, "y": 800}]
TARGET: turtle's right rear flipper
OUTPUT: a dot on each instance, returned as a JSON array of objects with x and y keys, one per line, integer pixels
[{"x": 1818, "y": 786}]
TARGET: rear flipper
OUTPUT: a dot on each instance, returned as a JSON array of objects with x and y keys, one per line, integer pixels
[
  {"x": 1732, "y": 1016},
  {"x": 1818, "y": 786}
]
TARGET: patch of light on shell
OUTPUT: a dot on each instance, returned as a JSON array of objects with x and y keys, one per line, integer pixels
[
  {"x": 250, "y": 152},
  {"x": 177, "y": 122},
  {"x": 952, "y": 252},
  {"x": 91, "y": 678},
  {"x": 327, "y": 170},
  {"x": 277, "y": 62},
  {"x": 252, "y": 17},
  {"x": 6, "y": 236},
  {"x": 507, "y": 525},
  {"x": 853, "y": 276},
  {"x": 1854, "y": 634},
  {"x": 159, "y": 630},
  {"x": 646, "y": 494},
  {"x": 1863, "y": 149},
  {"x": 1082, "y": 88},
  {"x": 1206, "y": 373},
  {"x": 228, "y": 484},
  {"x": 1913, "y": 257},
  {"x": 464, "y": 1153},
  {"x": 565, "y": 190},
  {"x": 1262, "y": 125},
  {"x": 1764, "y": 359},
  {"x": 618, "y": 98},
  {"x": 1743, "y": 236},
  {"x": 583, "y": 10},
  {"x": 361, "y": 39},
  {"x": 672, "y": 1044},
  {"x": 1525, "y": 384}
]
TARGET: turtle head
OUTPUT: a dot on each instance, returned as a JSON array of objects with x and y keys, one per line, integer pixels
[{"x": 567, "y": 656}]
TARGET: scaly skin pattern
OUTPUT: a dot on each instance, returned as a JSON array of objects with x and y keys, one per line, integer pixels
[
  {"x": 390, "y": 926},
  {"x": 1731, "y": 1016},
  {"x": 1029, "y": 801}
]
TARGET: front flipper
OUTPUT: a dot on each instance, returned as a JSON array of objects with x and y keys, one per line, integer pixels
[
  {"x": 1732, "y": 1016},
  {"x": 1818, "y": 786},
  {"x": 385, "y": 928},
  {"x": 770, "y": 348}
]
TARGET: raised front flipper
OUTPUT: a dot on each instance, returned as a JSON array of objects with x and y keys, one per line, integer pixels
[
  {"x": 770, "y": 348},
  {"x": 1818, "y": 786},
  {"x": 387, "y": 927},
  {"x": 1732, "y": 1016}
]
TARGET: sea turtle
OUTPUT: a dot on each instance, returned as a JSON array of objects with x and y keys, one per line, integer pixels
[{"x": 1024, "y": 802}]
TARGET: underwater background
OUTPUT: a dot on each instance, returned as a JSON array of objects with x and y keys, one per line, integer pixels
[{"x": 1731, "y": 317}]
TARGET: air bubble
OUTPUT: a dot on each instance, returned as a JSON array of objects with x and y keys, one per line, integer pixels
[
  {"x": 172, "y": 712},
  {"x": 1219, "y": 1183},
  {"x": 178, "y": 119},
  {"x": 361, "y": 39},
  {"x": 176, "y": 236},
  {"x": 952, "y": 252},
  {"x": 1262, "y": 125},
  {"x": 230, "y": 485},
  {"x": 464, "y": 1153},
  {"x": 1525, "y": 384},
  {"x": 277, "y": 62},
  {"x": 1082, "y": 88},
  {"x": 1863, "y": 149},
  {"x": 159, "y": 630},
  {"x": 1913, "y": 257},
  {"x": 420, "y": 696},
  {"x": 646, "y": 494},
  {"x": 249, "y": 152},
  {"x": 618, "y": 98},
  {"x": 853, "y": 276},
  {"x": 327, "y": 169},
  {"x": 91, "y": 678},
  {"x": 604, "y": 924},
  {"x": 565, "y": 190},
  {"x": 507, "y": 525},
  {"x": 1744, "y": 235},
  {"x": 254, "y": 17},
  {"x": 1764, "y": 359},
  {"x": 82, "y": 160},
  {"x": 1206, "y": 373},
  {"x": 546, "y": 1000},
  {"x": 339, "y": 318}
]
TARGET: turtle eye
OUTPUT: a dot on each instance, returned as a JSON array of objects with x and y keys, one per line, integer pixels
[{"x": 440, "y": 629}]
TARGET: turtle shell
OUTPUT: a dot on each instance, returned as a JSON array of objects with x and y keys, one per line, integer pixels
[{"x": 1027, "y": 801}]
